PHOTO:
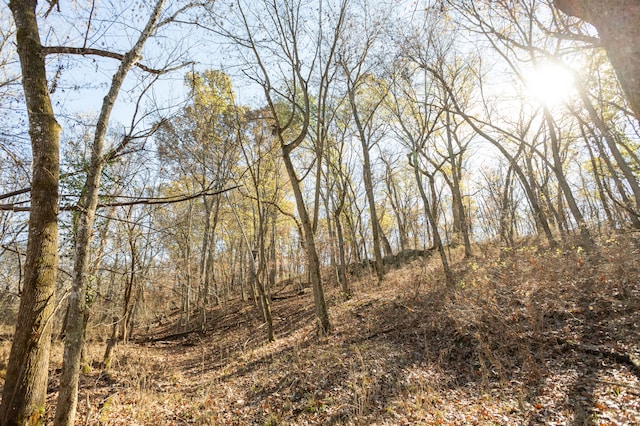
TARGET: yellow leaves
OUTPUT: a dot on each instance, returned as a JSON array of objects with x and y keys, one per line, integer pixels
[{"x": 212, "y": 90}]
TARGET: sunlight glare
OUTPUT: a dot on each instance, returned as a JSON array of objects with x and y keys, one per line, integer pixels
[{"x": 549, "y": 84}]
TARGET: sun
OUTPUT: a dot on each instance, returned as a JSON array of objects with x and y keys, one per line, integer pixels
[{"x": 549, "y": 83}]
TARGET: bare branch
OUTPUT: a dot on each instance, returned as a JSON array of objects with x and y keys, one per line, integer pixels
[
  {"x": 14, "y": 193},
  {"x": 167, "y": 200},
  {"x": 67, "y": 50},
  {"x": 147, "y": 201}
]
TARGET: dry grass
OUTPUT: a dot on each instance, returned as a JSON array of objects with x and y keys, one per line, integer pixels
[{"x": 529, "y": 336}]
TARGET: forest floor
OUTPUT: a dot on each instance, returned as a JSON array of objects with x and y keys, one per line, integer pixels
[{"x": 528, "y": 336}]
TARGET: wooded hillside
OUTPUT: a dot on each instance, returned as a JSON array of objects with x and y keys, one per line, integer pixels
[{"x": 338, "y": 211}]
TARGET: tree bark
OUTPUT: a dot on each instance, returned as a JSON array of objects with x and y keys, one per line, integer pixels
[
  {"x": 83, "y": 220},
  {"x": 538, "y": 214},
  {"x": 394, "y": 200},
  {"x": 617, "y": 25},
  {"x": 25, "y": 386},
  {"x": 368, "y": 178},
  {"x": 460, "y": 225},
  {"x": 313, "y": 262},
  {"x": 83, "y": 223},
  {"x": 431, "y": 217},
  {"x": 342, "y": 264},
  {"x": 585, "y": 235},
  {"x": 624, "y": 167}
]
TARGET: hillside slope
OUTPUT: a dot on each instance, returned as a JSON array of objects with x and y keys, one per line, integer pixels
[{"x": 529, "y": 336}]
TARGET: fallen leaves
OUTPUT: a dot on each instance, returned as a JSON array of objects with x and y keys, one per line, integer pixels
[{"x": 511, "y": 350}]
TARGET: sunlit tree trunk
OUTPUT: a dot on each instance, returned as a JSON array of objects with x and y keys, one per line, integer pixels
[
  {"x": 362, "y": 125},
  {"x": 313, "y": 262},
  {"x": 257, "y": 261},
  {"x": 617, "y": 24},
  {"x": 83, "y": 222},
  {"x": 597, "y": 176},
  {"x": 394, "y": 200},
  {"x": 25, "y": 384},
  {"x": 622, "y": 163}
]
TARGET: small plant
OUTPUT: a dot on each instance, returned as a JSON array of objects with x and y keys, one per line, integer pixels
[
  {"x": 272, "y": 420},
  {"x": 361, "y": 386}
]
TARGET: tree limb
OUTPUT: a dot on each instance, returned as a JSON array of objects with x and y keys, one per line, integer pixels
[
  {"x": 67, "y": 50},
  {"x": 148, "y": 201}
]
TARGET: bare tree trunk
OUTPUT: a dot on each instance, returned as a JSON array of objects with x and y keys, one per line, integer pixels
[
  {"x": 342, "y": 267},
  {"x": 126, "y": 305},
  {"x": 203, "y": 269},
  {"x": 395, "y": 206},
  {"x": 111, "y": 344},
  {"x": 273, "y": 260},
  {"x": 257, "y": 263},
  {"x": 604, "y": 157},
  {"x": 626, "y": 170},
  {"x": 313, "y": 262},
  {"x": 585, "y": 235},
  {"x": 617, "y": 24},
  {"x": 185, "y": 290},
  {"x": 25, "y": 384},
  {"x": 506, "y": 211},
  {"x": 538, "y": 214},
  {"x": 353, "y": 238},
  {"x": 437, "y": 241},
  {"x": 333, "y": 261},
  {"x": 368, "y": 181},
  {"x": 83, "y": 222},
  {"x": 460, "y": 216},
  {"x": 212, "y": 210},
  {"x": 240, "y": 258},
  {"x": 260, "y": 271}
]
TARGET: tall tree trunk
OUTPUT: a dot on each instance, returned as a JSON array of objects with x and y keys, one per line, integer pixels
[
  {"x": 506, "y": 210},
  {"x": 342, "y": 266},
  {"x": 597, "y": 176},
  {"x": 273, "y": 260},
  {"x": 313, "y": 261},
  {"x": 353, "y": 237},
  {"x": 437, "y": 241},
  {"x": 83, "y": 222},
  {"x": 585, "y": 235},
  {"x": 604, "y": 157},
  {"x": 617, "y": 24},
  {"x": 394, "y": 200},
  {"x": 460, "y": 225},
  {"x": 368, "y": 187},
  {"x": 127, "y": 306},
  {"x": 333, "y": 248},
  {"x": 204, "y": 250},
  {"x": 538, "y": 214},
  {"x": 25, "y": 384},
  {"x": 261, "y": 273},
  {"x": 257, "y": 264},
  {"x": 625, "y": 168}
]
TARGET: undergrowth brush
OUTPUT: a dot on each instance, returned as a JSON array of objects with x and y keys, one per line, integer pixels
[{"x": 528, "y": 335}]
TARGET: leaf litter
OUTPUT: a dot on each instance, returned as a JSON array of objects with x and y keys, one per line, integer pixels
[{"x": 529, "y": 336}]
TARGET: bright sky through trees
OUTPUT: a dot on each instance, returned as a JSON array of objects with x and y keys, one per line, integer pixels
[{"x": 549, "y": 83}]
